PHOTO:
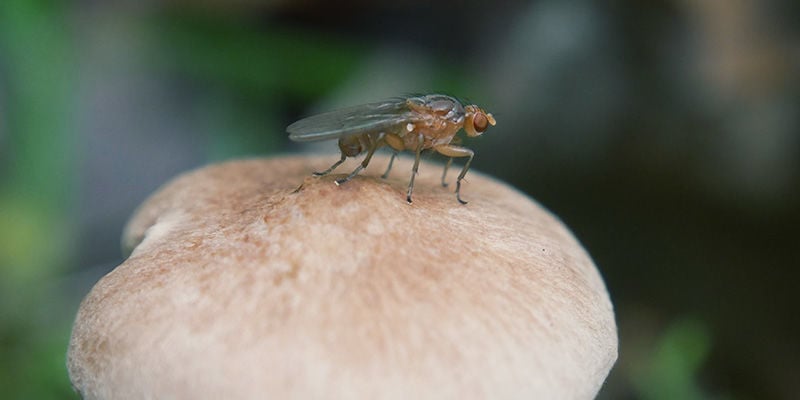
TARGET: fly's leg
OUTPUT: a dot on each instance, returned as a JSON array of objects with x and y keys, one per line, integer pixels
[
  {"x": 333, "y": 167},
  {"x": 444, "y": 174},
  {"x": 414, "y": 172},
  {"x": 389, "y": 168},
  {"x": 397, "y": 144},
  {"x": 374, "y": 146},
  {"x": 451, "y": 151}
]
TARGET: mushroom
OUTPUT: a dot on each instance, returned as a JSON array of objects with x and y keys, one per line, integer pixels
[{"x": 240, "y": 285}]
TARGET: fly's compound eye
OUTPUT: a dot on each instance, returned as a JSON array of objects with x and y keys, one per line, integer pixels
[{"x": 480, "y": 122}]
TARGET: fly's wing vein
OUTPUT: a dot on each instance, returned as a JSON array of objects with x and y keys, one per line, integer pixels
[{"x": 351, "y": 121}]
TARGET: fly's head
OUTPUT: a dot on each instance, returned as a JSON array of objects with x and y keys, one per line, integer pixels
[{"x": 476, "y": 121}]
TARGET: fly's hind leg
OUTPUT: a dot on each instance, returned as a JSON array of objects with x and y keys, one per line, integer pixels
[
  {"x": 333, "y": 167},
  {"x": 373, "y": 146},
  {"x": 452, "y": 151}
]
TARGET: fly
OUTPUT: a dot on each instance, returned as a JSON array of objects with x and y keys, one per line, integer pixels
[{"x": 413, "y": 123}]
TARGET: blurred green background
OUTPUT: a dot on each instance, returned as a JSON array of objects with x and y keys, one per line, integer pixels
[{"x": 666, "y": 134}]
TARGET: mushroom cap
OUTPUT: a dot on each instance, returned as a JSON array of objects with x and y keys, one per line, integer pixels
[{"x": 239, "y": 286}]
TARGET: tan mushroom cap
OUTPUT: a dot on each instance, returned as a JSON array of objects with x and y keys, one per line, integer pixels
[{"x": 239, "y": 288}]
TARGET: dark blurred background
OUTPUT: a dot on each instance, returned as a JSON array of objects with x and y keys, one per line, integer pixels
[{"x": 666, "y": 134}]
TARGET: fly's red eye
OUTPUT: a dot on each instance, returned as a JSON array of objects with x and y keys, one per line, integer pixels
[{"x": 480, "y": 123}]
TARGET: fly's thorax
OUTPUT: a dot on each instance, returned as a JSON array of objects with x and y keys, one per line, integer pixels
[
  {"x": 430, "y": 134},
  {"x": 439, "y": 132},
  {"x": 437, "y": 118},
  {"x": 438, "y": 106}
]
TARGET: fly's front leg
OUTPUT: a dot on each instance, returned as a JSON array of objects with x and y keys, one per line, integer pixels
[
  {"x": 375, "y": 143},
  {"x": 444, "y": 173},
  {"x": 452, "y": 151},
  {"x": 333, "y": 167},
  {"x": 414, "y": 171}
]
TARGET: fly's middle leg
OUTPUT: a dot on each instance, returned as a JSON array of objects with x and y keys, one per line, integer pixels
[
  {"x": 397, "y": 145},
  {"x": 444, "y": 173},
  {"x": 389, "y": 167},
  {"x": 451, "y": 151},
  {"x": 414, "y": 172}
]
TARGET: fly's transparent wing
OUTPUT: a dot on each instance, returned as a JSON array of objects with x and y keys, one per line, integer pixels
[{"x": 356, "y": 120}]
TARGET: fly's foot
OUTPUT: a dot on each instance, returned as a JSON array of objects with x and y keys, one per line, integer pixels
[
  {"x": 458, "y": 192},
  {"x": 351, "y": 176}
]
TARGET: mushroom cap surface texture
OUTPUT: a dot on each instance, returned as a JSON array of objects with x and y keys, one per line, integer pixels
[{"x": 240, "y": 287}]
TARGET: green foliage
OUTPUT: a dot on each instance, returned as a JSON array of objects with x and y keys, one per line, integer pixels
[
  {"x": 672, "y": 370},
  {"x": 33, "y": 365},
  {"x": 36, "y": 196}
]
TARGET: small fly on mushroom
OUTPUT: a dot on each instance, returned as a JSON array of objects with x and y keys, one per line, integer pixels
[{"x": 413, "y": 123}]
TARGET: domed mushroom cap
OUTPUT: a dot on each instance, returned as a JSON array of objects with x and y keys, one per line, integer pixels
[{"x": 240, "y": 287}]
